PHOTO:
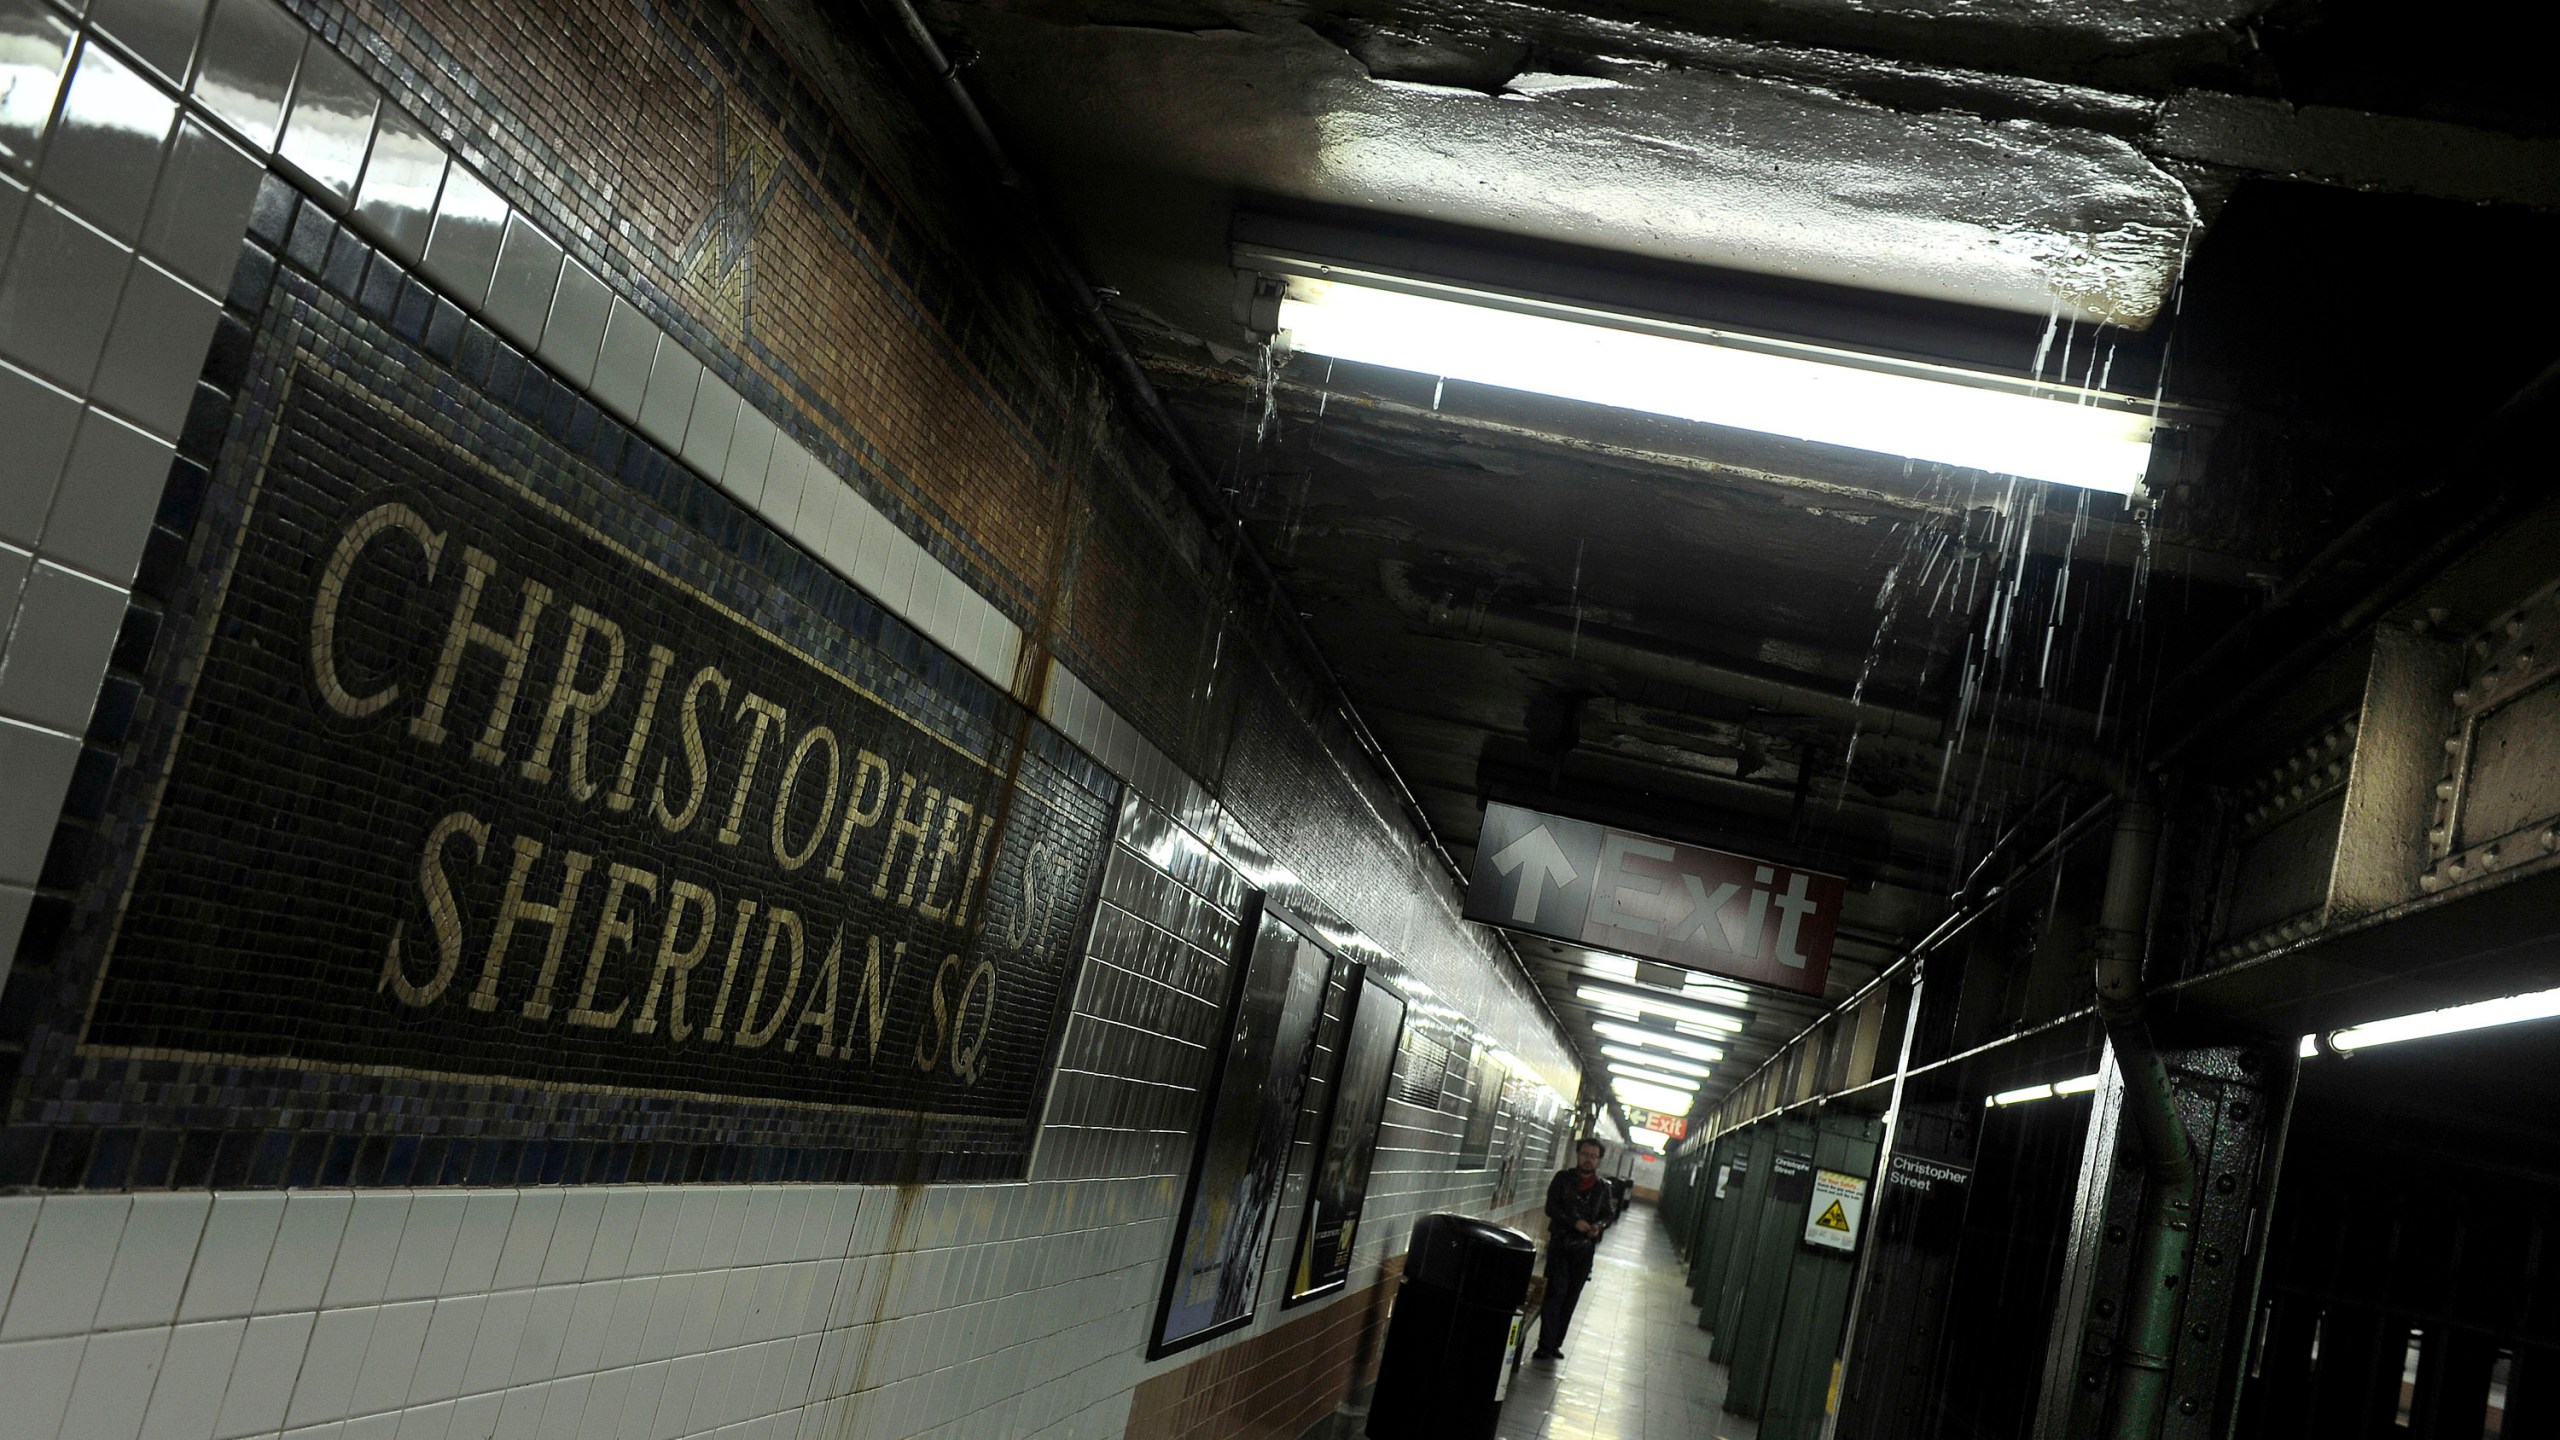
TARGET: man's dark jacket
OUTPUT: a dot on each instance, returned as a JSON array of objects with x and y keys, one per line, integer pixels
[{"x": 1567, "y": 1203}]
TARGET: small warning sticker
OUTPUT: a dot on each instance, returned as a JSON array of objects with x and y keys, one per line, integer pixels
[{"x": 1831, "y": 1220}]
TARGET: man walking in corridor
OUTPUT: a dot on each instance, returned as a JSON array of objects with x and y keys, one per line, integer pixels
[{"x": 1579, "y": 1206}]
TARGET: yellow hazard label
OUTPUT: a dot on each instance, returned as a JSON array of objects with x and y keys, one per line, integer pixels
[{"x": 1833, "y": 1218}]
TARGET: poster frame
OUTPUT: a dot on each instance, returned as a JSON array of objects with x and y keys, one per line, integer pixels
[
  {"x": 1250, "y": 916},
  {"x": 1487, "y": 1080},
  {"x": 1291, "y": 1296}
]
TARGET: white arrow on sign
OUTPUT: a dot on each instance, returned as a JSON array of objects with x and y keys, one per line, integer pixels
[{"x": 1545, "y": 861}]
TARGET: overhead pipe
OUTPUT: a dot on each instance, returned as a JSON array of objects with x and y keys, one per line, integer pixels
[
  {"x": 2165, "y": 1233},
  {"x": 1873, "y": 720},
  {"x": 1531, "y": 630}
]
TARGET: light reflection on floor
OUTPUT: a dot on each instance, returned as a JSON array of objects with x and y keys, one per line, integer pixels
[{"x": 1635, "y": 1365}]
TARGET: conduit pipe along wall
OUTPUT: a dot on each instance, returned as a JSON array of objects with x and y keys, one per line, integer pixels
[{"x": 2166, "y": 1231}]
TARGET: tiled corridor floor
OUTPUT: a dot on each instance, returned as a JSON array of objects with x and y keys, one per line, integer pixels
[{"x": 1635, "y": 1365}]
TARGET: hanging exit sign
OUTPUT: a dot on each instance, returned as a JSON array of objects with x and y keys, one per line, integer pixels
[
  {"x": 1655, "y": 899},
  {"x": 1674, "y": 1126}
]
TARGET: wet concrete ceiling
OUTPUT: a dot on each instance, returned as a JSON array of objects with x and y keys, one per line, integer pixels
[
  {"x": 1606, "y": 132},
  {"x": 1663, "y": 624}
]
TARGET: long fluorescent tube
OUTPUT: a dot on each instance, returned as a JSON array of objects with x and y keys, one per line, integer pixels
[
  {"x": 1624, "y": 1010},
  {"x": 2509, "y": 1010},
  {"x": 1658, "y": 1062},
  {"x": 1655, "y": 1077},
  {"x": 1649, "y": 1139},
  {"x": 1613, "y": 998},
  {"x": 2060, "y": 434},
  {"x": 1652, "y": 1097},
  {"x": 1639, "y": 1035},
  {"x": 1705, "y": 989},
  {"x": 2077, "y": 1085},
  {"x": 1709, "y": 992}
]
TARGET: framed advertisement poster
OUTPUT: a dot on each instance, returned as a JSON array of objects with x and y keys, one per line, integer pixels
[
  {"x": 1340, "y": 1185},
  {"x": 1486, "y": 1077},
  {"x": 1515, "y": 1142},
  {"x": 1223, "y": 1232}
]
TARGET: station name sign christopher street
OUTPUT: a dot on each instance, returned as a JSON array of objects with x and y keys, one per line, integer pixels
[
  {"x": 472, "y": 788},
  {"x": 1655, "y": 899}
]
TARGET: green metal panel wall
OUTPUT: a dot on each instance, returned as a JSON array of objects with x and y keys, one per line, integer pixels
[
  {"x": 1755, "y": 1293},
  {"x": 1816, "y": 1307},
  {"x": 1737, "y": 1220},
  {"x": 1708, "y": 1226}
]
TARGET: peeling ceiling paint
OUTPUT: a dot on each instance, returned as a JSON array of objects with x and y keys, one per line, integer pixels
[
  {"x": 1628, "y": 154},
  {"x": 1779, "y": 179}
]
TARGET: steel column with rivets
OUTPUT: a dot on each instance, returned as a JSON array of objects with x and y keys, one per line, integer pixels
[{"x": 2166, "y": 1232}]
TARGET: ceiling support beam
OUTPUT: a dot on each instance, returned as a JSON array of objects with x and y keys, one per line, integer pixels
[
  {"x": 1516, "y": 625},
  {"x": 2359, "y": 150}
]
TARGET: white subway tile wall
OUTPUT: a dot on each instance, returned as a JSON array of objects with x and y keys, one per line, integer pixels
[
  {"x": 1008, "y": 1309},
  {"x": 1138, "y": 1050},
  {"x": 401, "y": 180},
  {"x": 207, "y": 186},
  {"x": 99, "y": 352},
  {"x": 527, "y": 280},
  {"x": 983, "y": 1310}
]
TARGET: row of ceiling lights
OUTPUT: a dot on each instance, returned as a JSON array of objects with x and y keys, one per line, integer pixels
[
  {"x": 1654, "y": 1070},
  {"x": 1651, "y": 1068}
]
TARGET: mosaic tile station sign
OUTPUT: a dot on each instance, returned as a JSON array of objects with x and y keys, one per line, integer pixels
[{"x": 489, "y": 779}]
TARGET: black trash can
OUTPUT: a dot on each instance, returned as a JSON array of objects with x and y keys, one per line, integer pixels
[{"x": 1449, "y": 1335}]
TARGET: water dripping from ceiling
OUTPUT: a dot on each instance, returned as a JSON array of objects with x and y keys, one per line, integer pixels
[{"x": 2040, "y": 660}]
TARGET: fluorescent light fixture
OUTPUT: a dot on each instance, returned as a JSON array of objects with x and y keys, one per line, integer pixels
[
  {"x": 1620, "y": 1001},
  {"x": 1688, "y": 1083},
  {"x": 1616, "y": 967},
  {"x": 1623, "y": 1009},
  {"x": 1649, "y": 1139},
  {"x": 2509, "y": 1010},
  {"x": 1658, "y": 1062},
  {"x": 1710, "y": 992},
  {"x": 2061, "y": 434},
  {"x": 1705, "y": 989},
  {"x": 2077, "y": 1085},
  {"x": 1652, "y": 1097},
  {"x": 1655, "y": 1039}
]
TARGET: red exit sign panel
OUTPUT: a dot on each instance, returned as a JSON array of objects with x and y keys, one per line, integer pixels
[{"x": 1674, "y": 1126}]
